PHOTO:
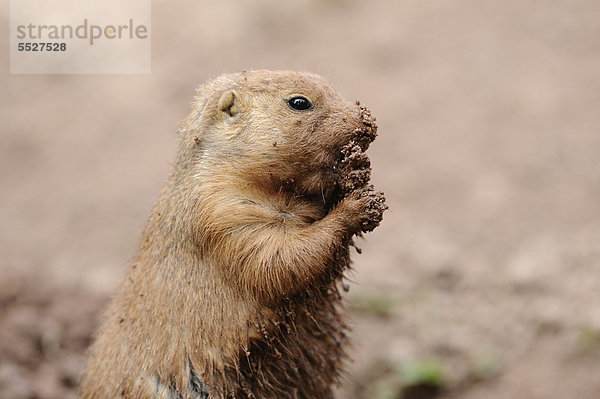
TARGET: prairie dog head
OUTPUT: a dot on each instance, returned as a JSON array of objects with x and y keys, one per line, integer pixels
[{"x": 272, "y": 128}]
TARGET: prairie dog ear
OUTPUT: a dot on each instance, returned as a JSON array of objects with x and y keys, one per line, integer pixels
[{"x": 228, "y": 103}]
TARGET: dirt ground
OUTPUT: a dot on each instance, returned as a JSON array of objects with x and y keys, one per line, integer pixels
[{"x": 483, "y": 280}]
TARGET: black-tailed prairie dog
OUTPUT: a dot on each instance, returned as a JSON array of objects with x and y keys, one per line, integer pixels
[{"x": 235, "y": 289}]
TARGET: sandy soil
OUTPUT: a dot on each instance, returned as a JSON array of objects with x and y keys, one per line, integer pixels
[{"x": 486, "y": 268}]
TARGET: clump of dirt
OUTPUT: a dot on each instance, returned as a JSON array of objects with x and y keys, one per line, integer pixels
[
  {"x": 367, "y": 133},
  {"x": 374, "y": 209},
  {"x": 354, "y": 169}
]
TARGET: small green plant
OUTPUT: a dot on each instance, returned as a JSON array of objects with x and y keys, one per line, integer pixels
[
  {"x": 588, "y": 339},
  {"x": 414, "y": 379},
  {"x": 422, "y": 372}
]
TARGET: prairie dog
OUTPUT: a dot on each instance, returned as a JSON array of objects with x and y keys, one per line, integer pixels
[{"x": 234, "y": 291}]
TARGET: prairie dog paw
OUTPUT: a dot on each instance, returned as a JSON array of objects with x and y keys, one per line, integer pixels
[
  {"x": 374, "y": 206},
  {"x": 363, "y": 209}
]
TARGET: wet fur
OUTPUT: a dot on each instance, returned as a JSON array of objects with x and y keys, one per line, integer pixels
[{"x": 234, "y": 291}]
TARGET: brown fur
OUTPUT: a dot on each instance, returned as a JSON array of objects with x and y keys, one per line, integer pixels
[{"x": 234, "y": 289}]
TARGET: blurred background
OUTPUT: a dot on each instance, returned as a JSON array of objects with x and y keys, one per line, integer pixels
[{"x": 483, "y": 280}]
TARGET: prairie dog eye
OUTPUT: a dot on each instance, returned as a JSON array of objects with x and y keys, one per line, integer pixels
[{"x": 299, "y": 103}]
